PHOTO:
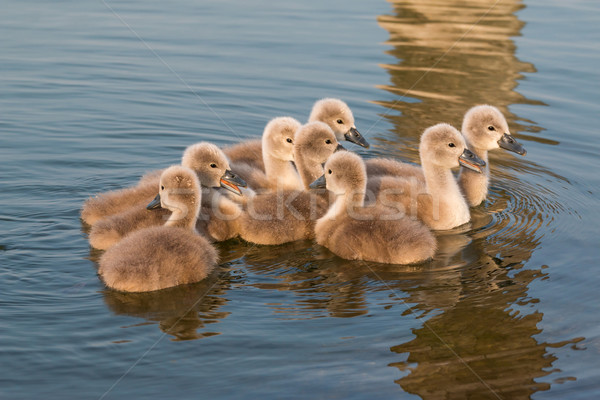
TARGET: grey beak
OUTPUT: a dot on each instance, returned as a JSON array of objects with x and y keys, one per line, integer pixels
[
  {"x": 469, "y": 160},
  {"x": 339, "y": 148},
  {"x": 320, "y": 183},
  {"x": 354, "y": 136},
  {"x": 232, "y": 182},
  {"x": 154, "y": 204},
  {"x": 508, "y": 142},
  {"x": 230, "y": 177}
]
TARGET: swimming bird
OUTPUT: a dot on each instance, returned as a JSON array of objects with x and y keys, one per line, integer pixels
[
  {"x": 355, "y": 232},
  {"x": 337, "y": 114},
  {"x": 218, "y": 213},
  {"x": 333, "y": 112},
  {"x": 278, "y": 154},
  {"x": 437, "y": 200},
  {"x": 314, "y": 143},
  {"x": 484, "y": 128},
  {"x": 160, "y": 257},
  {"x": 289, "y": 215}
]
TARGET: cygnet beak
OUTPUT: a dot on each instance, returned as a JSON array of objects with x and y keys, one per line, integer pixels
[
  {"x": 508, "y": 142},
  {"x": 320, "y": 183},
  {"x": 339, "y": 148},
  {"x": 469, "y": 160},
  {"x": 354, "y": 136},
  {"x": 232, "y": 182},
  {"x": 154, "y": 204}
]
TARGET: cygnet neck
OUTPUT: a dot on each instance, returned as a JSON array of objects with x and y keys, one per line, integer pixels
[
  {"x": 282, "y": 173},
  {"x": 351, "y": 199},
  {"x": 442, "y": 186},
  {"x": 474, "y": 184},
  {"x": 209, "y": 195},
  {"x": 184, "y": 214},
  {"x": 309, "y": 170}
]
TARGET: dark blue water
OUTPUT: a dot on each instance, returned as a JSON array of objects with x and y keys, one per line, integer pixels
[{"x": 93, "y": 94}]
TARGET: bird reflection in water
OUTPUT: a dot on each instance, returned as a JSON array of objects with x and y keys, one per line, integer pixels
[{"x": 184, "y": 312}]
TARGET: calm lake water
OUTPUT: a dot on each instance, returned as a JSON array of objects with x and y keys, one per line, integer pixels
[{"x": 93, "y": 94}]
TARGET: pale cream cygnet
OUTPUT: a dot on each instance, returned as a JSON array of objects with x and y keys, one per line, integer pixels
[
  {"x": 278, "y": 154},
  {"x": 484, "y": 128},
  {"x": 437, "y": 200},
  {"x": 339, "y": 117}
]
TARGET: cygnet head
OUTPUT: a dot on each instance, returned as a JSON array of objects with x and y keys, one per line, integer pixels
[
  {"x": 314, "y": 143},
  {"x": 443, "y": 145},
  {"x": 344, "y": 172},
  {"x": 278, "y": 138},
  {"x": 337, "y": 114},
  {"x": 486, "y": 128},
  {"x": 212, "y": 167},
  {"x": 179, "y": 191}
]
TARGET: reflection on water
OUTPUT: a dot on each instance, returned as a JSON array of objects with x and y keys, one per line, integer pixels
[
  {"x": 321, "y": 288},
  {"x": 483, "y": 342},
  {"x": 478, "y": 326},
  {"x": 453, "y": 55},
  {"x": 184, "y": 312}
]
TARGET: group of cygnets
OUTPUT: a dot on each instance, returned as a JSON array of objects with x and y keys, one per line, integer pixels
[{"x": 297, "y": 183}]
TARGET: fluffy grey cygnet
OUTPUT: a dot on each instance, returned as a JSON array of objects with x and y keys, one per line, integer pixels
[
  {"x": 160, "y": 257},
  {"x": 218, "y": 212},
  {"x": 355, "y": 232}
]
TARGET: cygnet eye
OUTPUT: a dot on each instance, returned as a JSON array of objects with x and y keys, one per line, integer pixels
[
  {"x": 329, "y": 172},
  {"x": 328, "y": 141},
  {"x": 162, "y": 187},
  {"x": 213, "y": 165},
  {"x": 339, "y": 121},
  {"x": 491, "y": 128},
  {"x": 289, "y": 140},
  {"x": 451, "y": 145}
]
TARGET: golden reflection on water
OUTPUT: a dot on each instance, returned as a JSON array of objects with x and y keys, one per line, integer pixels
[
  {"x": 183, "y": 312},
  {"x": 454, "y": 55},
  {"x": 483, "y": 342}
]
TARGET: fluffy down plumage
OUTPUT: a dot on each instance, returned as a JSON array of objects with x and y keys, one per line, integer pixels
[{"x": 157, "y": 258}]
